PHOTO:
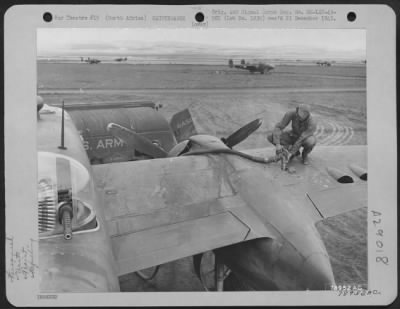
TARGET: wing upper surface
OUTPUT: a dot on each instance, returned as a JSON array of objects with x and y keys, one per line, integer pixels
[
  {"x": 165, "y": 209},
  {"x": 327, "y": 196},
  {"x": 338, "y": 200}
]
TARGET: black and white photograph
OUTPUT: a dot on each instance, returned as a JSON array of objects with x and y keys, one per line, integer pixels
[
  {"x": 214, "y": 160},
  {"x": 200, "y": 155}
]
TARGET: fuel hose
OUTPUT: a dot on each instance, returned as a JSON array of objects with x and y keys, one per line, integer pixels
[{"x": 234, "y": 152}]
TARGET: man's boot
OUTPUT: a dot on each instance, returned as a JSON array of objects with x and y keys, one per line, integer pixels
[
  {"x": 305, "y": 160},
  {"x": 304, "y": 156}
]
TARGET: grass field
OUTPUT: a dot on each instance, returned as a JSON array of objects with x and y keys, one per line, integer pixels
[
  {"x": 127, "y": 76},
  {"x": 221, "y": 100},
  {"x": 334, "y": 93}
]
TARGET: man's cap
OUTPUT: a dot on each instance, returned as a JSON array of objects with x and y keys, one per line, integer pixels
[{"x": 304, "y": 107}]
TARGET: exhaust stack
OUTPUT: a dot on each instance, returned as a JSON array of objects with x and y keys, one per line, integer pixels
[
  {"x": 339, "y": 175},
  {"x": 359, "y": 171}
]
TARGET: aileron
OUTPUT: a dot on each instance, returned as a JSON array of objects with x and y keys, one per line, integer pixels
[{"x": 340, "y": 199}]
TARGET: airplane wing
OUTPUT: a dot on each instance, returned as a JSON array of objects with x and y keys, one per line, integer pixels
[
  {"x": 321, "y": 180},
  {"x": 335, "y": 201},
  {"x": 161, "y": 210}
]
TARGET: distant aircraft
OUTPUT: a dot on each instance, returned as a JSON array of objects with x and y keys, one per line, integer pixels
[
  {"x": 121, "y": 59},
  {"x": 259, "y": 67},
  {"x": 324, "y": 63},
  {"x": 98, "y": 222},
  {"x": 90, "y": 60}
]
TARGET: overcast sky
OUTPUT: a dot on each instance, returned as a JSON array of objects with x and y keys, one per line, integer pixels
[{"x": 127, "y": 41}]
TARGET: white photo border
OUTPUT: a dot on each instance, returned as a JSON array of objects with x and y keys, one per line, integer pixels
[{"x": 20, "y": 74}]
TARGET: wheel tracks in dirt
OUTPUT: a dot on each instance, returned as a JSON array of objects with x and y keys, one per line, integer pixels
[{"x": 336, "y": 134}]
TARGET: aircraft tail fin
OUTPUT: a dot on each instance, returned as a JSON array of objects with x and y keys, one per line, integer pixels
[{"x": 182, "y": 125}]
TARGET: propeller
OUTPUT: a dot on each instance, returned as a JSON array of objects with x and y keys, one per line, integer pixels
[
  {"x": 138, "y": 142},
  {"x": 241, "y": 134},
  {"x": 145, "y": 146}
]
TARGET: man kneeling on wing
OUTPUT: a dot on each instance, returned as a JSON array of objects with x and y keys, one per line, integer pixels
[{"x": 301, "y": 135}]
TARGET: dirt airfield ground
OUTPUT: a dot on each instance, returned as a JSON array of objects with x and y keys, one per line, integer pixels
[{"x": 221, "y": 100}]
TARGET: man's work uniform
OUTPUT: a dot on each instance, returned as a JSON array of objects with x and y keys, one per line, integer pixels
[{"x": 301, "y": 135}]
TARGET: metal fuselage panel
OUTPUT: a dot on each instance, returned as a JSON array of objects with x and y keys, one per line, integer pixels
[
  {"x": 296, "y": 258},
  {"x": 102, "y": 147},
  {"x": 84, "y": 263}
]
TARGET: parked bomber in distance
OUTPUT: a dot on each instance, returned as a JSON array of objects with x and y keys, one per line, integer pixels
[
  {"x": 260, "y": 67},
  {"x": 324, "y": 63},
  {"x": 90, "y": 60},
  {"x": 121, "y": 59},
  {"x": 101, "y": 221}
]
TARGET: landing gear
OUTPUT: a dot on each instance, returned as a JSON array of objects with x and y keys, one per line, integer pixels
[
  {"x": 219, "y": 274},
  {"x": 211, "y": 271},
  {"x": 148, "y": 273}
]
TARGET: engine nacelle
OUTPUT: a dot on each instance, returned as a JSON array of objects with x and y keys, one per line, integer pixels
[{"x": 102, "y": 147}]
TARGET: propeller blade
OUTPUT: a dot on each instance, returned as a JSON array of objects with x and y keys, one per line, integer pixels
[
  {"x": 241, "y": 134},
  {"x": 136, "y": 141}
]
